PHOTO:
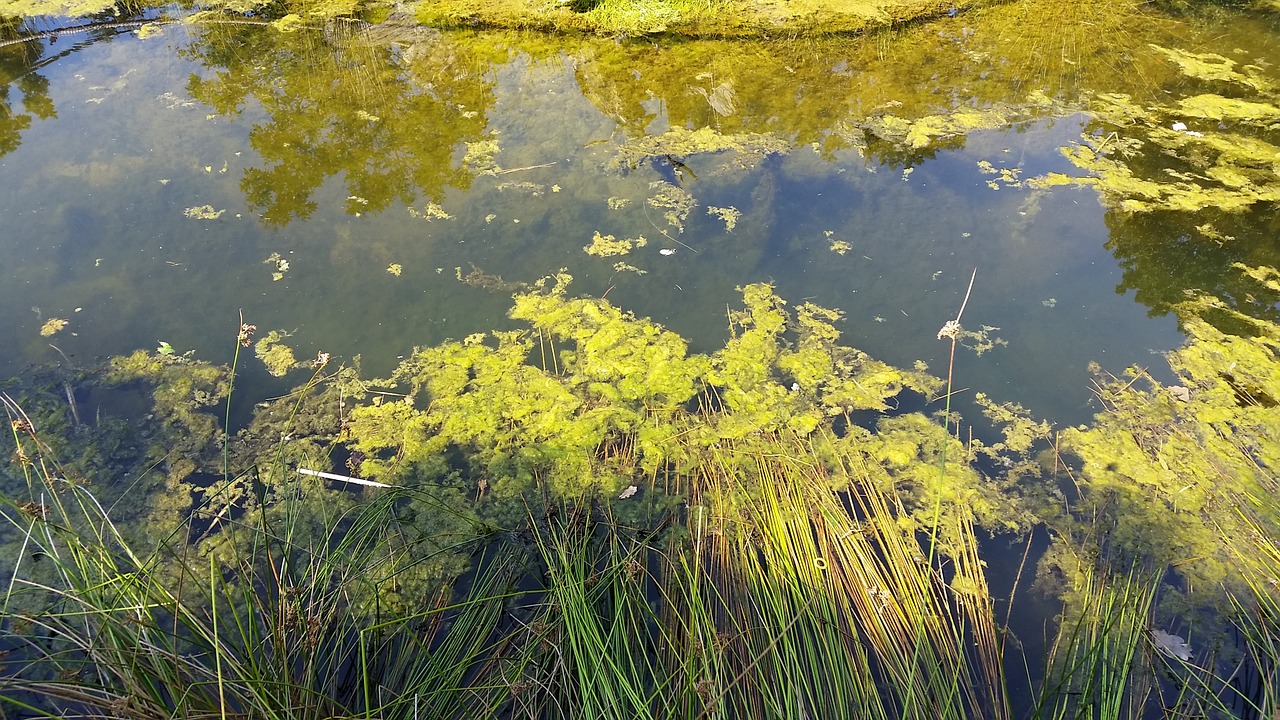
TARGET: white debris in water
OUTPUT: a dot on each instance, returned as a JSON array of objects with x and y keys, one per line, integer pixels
[
  {"x": 667, "y": 251},
  {"x": 1179, "y": 127},
  {"x": 1171, "y": 645}
]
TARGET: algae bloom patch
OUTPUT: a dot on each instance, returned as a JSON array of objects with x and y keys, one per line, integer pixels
[
  {"x": 610, "y": 246},
  {"x": 203, "y": 212},
  {"x": 52, "y": 326}
]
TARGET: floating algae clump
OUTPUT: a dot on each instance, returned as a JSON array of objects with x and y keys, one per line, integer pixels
[
  {"x": 729, "y": 215},
  {"x": 1217, "y": 107},
  {"x": 1184, "y": 475},
  {"x": 1204, "y": 151},
  {"x": 677, "y": 202},
  {"x": 52, "y": 326},
  {"x": 929, "y": 130},
  {"x": 748, "y": 148},
  {"x": 1211, "y": 169},
  {"x": 609, "y": 246},
  {"x": 203, "y": 212},
  {"x": 923, "y": 132},
  {"x": 1213, "y": 67},
  {"x": 594, "y": 400},
  {"x": 273, "y": 353},
  {"x": 180, "y": 390}
]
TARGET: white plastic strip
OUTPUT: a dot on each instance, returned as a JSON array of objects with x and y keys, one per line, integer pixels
[{"x": 343, "y": 478}]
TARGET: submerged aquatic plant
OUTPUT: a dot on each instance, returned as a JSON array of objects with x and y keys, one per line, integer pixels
[
  {"x": 114, "y": 630},
  {"x": 1161, "y": 463},
  {"x": 593, "y": 399},
  {"x": 585, "y": 517}
]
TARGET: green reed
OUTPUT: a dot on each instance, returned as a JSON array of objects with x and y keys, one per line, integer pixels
[
  {"x": 1097, "y": 664},
  {"x": 792, "y": 582},
  {"x": 286, "y": 629}
]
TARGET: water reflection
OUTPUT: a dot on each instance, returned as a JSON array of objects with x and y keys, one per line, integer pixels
[
  {"x": 343, "y": 104},
  {"x": 372, "y": 189},
  {"x": 19, "y": 65},
  {"x": 349, "y": 150},
  {"x": 1162, "y": 259}
]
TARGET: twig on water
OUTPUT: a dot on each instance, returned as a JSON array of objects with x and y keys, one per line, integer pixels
[{"x": 508, "y": 171}]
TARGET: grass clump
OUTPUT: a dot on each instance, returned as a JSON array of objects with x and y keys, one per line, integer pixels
[{"x": 584, "y": 518}]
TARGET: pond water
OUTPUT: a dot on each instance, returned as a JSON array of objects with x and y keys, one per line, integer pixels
[
  {"x": 331, "y": 149},
  {"x": 372, "y": 189}
]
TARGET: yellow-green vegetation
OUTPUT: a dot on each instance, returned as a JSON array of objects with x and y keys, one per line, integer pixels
[
  {"x": 280, "y": 265},
  {"x": 140, "y": 461},
  {"x": 1183, "y": 475},
  {"x": 609, "y": 246},
  {"x": 928, "y": 130},
  {"x": 481, "y": 155},
  {"x": 52, "y": 326},
  {"x": 610, "y": 400},
  {"x": 1227, "y": 171},
  {"x": 180, "y": 389},
  {"x": 837, "y": 246},
  {"x": 624, "y": 267},
  {"x": 1103, "y": 660},
  {"x": 203, "y": 212},
  {"x": 1213, "y": 67},
  {"x": 617, "y": 620},
  {"x": 1189, "y": 153},
  {"x": 748, "y": 148},
  {"x": 431, "y": 212},
  {"x": 274, "y": 354},
  {"x": 675, "y": 200},
  {"x": 729, "y": 215},
  {"x": 718, "y": 18},
  {"x": 674, "y": 530},
  {"x": 70, "y": 8}
]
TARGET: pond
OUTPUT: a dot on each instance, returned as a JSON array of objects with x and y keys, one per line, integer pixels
[
  {"x": 1066, "y": 178},
  {"x": 328, "y": 149}
]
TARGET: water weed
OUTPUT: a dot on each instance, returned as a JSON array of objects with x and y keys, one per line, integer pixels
[{"x": 584, "y": 517}]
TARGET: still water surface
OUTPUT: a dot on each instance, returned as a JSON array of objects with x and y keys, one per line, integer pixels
[
  {"x": 324, "y": 155},
  {"x": 372, "y": 190}
]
